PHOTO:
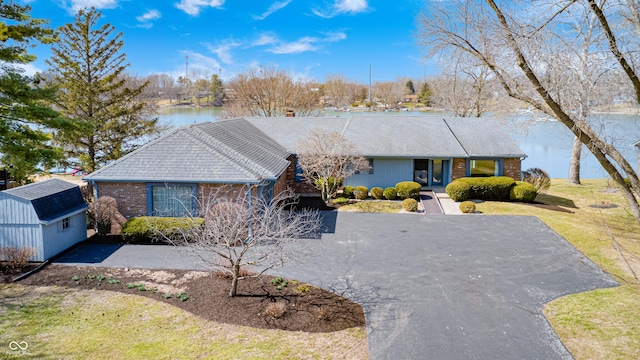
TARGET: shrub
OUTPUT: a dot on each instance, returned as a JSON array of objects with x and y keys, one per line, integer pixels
[
  {"x": 408, "y": 189},
  {"x": 334, "y": 183},
  {"x": 17, "y": 257},
  {"x": 153, "y": 228},
  {"x": 104, "y": 211},
  {"x": 538, "y": 178},
  {"x": 468, "y": 207},
  {"x": 340, "y": 200},
  {"x": 323, "y": 313},
  {"x": 349, "y": 192},
  {"x": 390, "y": 193},
  {"x": 410, "y": 204},
  {"x": 458, "y": 190},
  {"x": 362, "y": 193},
  {"x": 488, "y": 188},
  {"x": 275, "y": 310},
  {"x": 523, "y": 192},
  {"x": 377, "y": 193}
]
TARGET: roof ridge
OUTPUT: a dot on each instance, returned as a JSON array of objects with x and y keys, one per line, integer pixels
[
  {"x": 250, "y": 167},
  {"x": 219, "y": 148},
  {"x": 455, "y": 136}
]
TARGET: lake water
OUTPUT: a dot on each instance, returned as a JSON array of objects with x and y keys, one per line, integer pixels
[{"x": 547, "y": 143}]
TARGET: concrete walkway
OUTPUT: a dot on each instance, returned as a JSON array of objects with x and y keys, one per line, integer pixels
[{"x": 432, "y": 287}]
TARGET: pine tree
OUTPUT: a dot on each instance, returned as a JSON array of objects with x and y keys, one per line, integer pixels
[
  {"x": 425, "y": 94},
  {"x": 26, "y": 120},
  {"x": 89, "y": 69}
]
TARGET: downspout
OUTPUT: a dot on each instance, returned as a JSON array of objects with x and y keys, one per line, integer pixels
[
  {"x": 250, "y": 209},
  {"x": 95, "y": 208}
]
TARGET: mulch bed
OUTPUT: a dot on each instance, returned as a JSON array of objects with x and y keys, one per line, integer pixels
[{"x": 206, "y": 295}]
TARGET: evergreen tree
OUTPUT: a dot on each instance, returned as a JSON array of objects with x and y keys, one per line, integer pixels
[
  {"x": 425, "y": 94},
  {"x": 217, "y": 90},
  {"x": 410, "y": 89},
  {"x": 25, "y": 117},
  {"x": 89, "y": 70}
]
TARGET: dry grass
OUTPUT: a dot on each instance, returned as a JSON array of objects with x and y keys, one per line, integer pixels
[{"x": 72, "y": 324}]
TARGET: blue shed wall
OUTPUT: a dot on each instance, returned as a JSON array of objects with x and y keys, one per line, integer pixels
[
  {"x": 56, "y": 239},
  {"x": 23, "y": 235}
]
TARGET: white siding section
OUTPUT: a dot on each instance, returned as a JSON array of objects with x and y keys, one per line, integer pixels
[
  {"x": 57, "y": 239},
  {"x": 16, "y": 211},
  {"x": 23, "y": 236},
  {"x": 386, "y": 173}
]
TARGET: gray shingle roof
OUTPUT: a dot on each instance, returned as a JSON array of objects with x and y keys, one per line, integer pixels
[
  {"x": 250, "y": 149},
  {"x": 232, "y": 151},
  {"x": 400, "y": 136},
  {"x": 51, "y": 198}
]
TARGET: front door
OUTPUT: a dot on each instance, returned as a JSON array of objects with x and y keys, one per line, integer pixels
[{"x": 421, "y": 171}]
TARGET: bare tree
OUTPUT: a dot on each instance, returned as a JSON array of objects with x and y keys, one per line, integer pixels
[
  {"x": 243, "y": 230},
  {"x": 327, "y": 159},
  {"x": 500, "y": 37},
  {"x": 269, "y": 92},
  {"x": 339, "y": 91}
]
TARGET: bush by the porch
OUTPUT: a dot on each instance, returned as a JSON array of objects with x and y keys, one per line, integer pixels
[
  {"x": 349, "y": 192},
  {"x": 410, "y": 204},
  {"x": 485, "y": 188},
  {"x": 390, "y": 193},
  {"x": 408, "y": 189}
]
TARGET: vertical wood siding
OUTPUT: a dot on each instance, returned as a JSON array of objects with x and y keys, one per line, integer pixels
[
  {"x": 22, "y": 235},
  {"x": 56, "y": 240},
  {"x": 386, "y": 173},
  {"x": 16, "y": 211}
]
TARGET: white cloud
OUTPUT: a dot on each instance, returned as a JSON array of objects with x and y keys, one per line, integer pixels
[
  {"x": 76, "y": 5},
  {"x": 278, "y": 5},
  {"x": 192, "y": 7},
  {"x": 223, "y": 51},
  {"x": 305, "y": 44},
  {"x": 265, "y": 39},
  {"x": 199, "y": 62},
  {"x": 149, "y": 15},
  {"x": 343, "y": 7},
  {"x": 298, "y": 46}
]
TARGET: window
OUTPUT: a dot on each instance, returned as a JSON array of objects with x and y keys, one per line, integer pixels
[
  {"x": 370, "y": 171},
  {"x": 479, "y": 168},
  {"x": 64, "y": 224},
  {"x": 171, "y": 200}
]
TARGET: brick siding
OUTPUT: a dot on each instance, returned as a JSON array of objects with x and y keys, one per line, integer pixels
[
  {"x": 130, "y": 197},
  {"x": 511, "y": 168},
  {"x": 459, "y": 168}
]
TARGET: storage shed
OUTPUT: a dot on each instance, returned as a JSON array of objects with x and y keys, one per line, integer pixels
[{"x": 49, "y": 216}]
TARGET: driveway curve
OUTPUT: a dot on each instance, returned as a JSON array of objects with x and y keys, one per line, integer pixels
[{"x": 432, "y": 287}]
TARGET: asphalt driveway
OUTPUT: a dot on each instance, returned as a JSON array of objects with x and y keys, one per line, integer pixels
[{"x": 432, "y": 287}]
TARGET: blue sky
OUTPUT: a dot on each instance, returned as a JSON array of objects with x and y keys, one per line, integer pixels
[{"x": 309, "y": 38}]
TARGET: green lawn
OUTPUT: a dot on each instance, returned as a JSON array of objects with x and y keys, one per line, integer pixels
[
  {"x": 58, "y": 323},
  {"x": 600, "y": 324}
]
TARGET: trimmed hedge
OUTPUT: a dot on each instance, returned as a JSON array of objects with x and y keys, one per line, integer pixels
[
  {"x": 523, "y": 191},
  {"x": 362, "y": 192},
  {"x": 408, "y": 189},
  {"x": 468, "y": 207},
  {"x": 390, "y": 193},
  {"x": 377, "y": 193},
  {"x": 349, "y": 192},
  {"x": 153, "y": 228},
  {"x": 483, "y": 188},
  {"x": 410, "y": 204}
]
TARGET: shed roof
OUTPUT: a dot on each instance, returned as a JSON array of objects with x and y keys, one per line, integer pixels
[
  {"x": 51, "y": 198},
  {"x": 224, "y": 151}
]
